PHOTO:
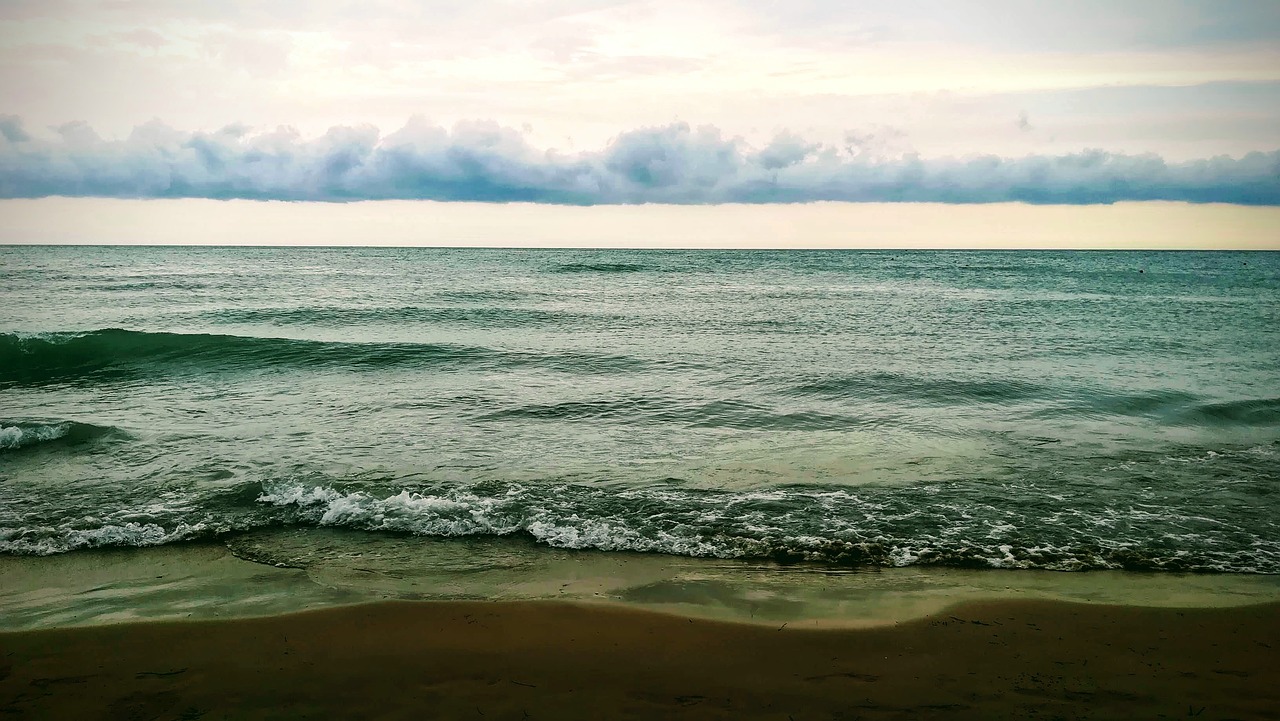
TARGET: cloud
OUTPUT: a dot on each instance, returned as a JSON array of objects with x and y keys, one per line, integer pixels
[
  {"x": 676, "y": 163},
  {"x": 11, "y": 129}
]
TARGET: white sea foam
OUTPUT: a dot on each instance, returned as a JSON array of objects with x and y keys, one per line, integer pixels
[
  {"x": 824, "y": 526},
  {"x": 14, "y": 437},
  {"x": 463, "y": 515},
  {"x": 48, "y": 541},
  {"x": 785, "y": 524}
]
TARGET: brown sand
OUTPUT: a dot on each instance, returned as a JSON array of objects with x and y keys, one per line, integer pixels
[{"x": 545, "y": 660}]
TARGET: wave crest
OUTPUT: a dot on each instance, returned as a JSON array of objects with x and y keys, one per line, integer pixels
[
  {"x": 114, "y": 352},
  {"x": 47, "y": 541},
  {"x": 832, "y": 527},
  {"x": 15, "y": 435}
]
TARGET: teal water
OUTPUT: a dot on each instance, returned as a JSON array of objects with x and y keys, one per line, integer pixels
[{"x": 980, "y": 409}]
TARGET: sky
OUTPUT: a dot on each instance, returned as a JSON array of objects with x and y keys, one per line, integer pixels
[{"x": 602, "y": 102}]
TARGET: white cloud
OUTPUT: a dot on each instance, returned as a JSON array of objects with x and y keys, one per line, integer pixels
[{"x": 675, "y": 163}]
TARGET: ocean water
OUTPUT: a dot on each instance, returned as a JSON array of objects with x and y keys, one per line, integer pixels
[{"x": 833, "y": 409}]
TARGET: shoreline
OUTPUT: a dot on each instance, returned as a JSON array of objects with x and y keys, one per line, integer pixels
[
  {"x": 550, "y": 659},
  {"x": 210, "y": 581}
]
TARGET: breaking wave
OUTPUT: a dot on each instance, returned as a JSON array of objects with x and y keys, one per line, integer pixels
[
  {"x": 943, "y": 523},
  {"x": 836, "y": 527},
  {"x": 15, "y": 435},
  {"x": 47, "y": 541}
]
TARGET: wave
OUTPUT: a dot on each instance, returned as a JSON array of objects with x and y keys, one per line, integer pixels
[
  {"x": 601, "y": 268},
  {"x": 15, "y": 435},
  {"x": 834, "y": 527},
  {"x": 945, "y": 523},
  {"x": 49, "y": 541},
  {"x": 1140, "y": 404},
  {"x": 933, "y": 390},
  {"x": 491, "y": 295},
  {"x": 1173, "y": 408},
  {"x": 117, "y": 353},
  {"x": 489, "y": 317},
  {"x": 667, "y": 411},
  {"x": 1169, "y": 406},
  {"x": 1258, "y": 412},
  {"x": 148, "y": 285},
  {"x": 579, "y": 410}
]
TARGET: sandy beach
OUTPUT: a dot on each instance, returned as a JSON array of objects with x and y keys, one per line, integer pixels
[{"x": 484, "y": 660}]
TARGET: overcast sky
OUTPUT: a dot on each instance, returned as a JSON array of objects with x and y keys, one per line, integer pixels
[{"x": 587, "y": 102}]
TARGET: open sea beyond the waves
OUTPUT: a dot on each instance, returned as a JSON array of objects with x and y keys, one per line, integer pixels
[{"x": 1057, "y": 410}]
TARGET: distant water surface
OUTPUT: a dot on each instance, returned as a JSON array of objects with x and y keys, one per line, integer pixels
[{"x": 982, "y": 409}]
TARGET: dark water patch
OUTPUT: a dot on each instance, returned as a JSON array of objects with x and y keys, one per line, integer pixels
[
  {"x": 919, "y": 388},
  {"x": 116, "y": 353},
  {"x": 1153, "y": 403},
  {"x": 21, "y": 434},
  {"x": 340, "y": 317},
  {"x": 601, "y": 268},
  {"x": 1171, "y": 408},
  {"x": 40, "y": 274},
  {"x": 735, "y": 414},
  {"x": 1061, "y": 347},
  {"x": 489, "y": 296},
  {"x": 149, "y": 285},
  {"x": 1259, "y": 412},
  {"x": 745, "y": 416},
  {"x": 617, "y": 410},
  {"x": 811, "y": 294},
  {"x": 585, "y": 363},
  {"x": 778, "y": 325},
  {"x": 998, "y": 267}
]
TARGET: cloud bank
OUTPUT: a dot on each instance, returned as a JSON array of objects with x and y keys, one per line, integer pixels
[{"x": 676, "y": 163}]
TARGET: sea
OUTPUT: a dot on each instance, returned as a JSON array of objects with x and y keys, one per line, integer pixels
[{"x": 1067, "y": 411}]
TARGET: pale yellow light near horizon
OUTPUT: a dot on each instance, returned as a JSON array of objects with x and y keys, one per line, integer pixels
[{"x": 1149, "y": 225}]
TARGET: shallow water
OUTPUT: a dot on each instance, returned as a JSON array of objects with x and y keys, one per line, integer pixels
[
  {"x": 847, "y": 409},
  {"x": 334, "y": 567}
]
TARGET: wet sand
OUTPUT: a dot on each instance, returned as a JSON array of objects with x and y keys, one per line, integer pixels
[{"x": 548, "y": 660}]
